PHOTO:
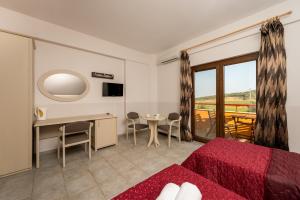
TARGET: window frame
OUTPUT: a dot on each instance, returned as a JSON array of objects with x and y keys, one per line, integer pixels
[{"x": 220, "y": 108}]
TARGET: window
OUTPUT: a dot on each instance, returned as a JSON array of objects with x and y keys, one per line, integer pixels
[{"x": 224, "y": 98}]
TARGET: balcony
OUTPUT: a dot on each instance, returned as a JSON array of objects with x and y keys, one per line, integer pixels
[{"x": 239, "y": 120}]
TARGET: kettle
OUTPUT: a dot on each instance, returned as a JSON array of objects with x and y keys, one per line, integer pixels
[{"x": 40, "y": 113}]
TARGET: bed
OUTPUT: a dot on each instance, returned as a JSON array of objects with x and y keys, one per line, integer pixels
[
  {"x": 151, "y": 187},
  {"x": 253, "y": 171}
]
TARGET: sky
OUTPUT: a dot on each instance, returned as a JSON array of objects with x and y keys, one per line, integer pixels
[{"x": 238, "y": 78}]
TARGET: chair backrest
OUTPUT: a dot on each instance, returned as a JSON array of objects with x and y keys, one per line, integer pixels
[
  {"x": 174, "y": 116},
  {"x": 212, "y": 115},
  {"x": 77, "y": 127},
  {"x": 133, "y": 115}
]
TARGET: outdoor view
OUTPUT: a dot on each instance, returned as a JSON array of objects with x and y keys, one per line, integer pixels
[
  {"x": 239, "y": 100},
  {"x": 205, "y": 103}
]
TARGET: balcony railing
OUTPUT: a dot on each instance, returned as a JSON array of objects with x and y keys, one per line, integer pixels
[
  {"x": 205, "y": 119},
  {"x": 198, "y": 105}
]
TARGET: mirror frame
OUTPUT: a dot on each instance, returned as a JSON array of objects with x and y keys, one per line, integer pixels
[{"x": 43, "y": 90}]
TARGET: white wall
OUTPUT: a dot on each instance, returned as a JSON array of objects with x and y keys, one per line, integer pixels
[
  {"x": 168, "y": 88},
  {"x": 243, "y": 43},
  {"x": 140, "y": 88},
  {"x": 135, "y": 76},
  {"x": 50, "y": 57},
  {"x": 139, "y": 77}
]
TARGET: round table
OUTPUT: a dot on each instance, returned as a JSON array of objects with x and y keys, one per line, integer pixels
[{"x": 152, "y": 122}]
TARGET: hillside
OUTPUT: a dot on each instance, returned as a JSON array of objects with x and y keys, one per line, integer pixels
[
  {"x": 239, "y": 95},
  {"x": 247, "y": 97}
]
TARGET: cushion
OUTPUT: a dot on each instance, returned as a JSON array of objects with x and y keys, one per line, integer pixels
[
  {"x": 174, "y": 116},
  {"x": 133, "y": 115},
  {"x": 74, "y": 138},
  {"x": 166, "y": 127},
  {"x": 139, "y": 126}
]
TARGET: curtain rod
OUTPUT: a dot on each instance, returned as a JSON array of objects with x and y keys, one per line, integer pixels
[{"x": 236, "y": 31}]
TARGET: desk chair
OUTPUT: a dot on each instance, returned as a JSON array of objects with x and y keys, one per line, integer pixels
[
  {"x": 76, "y": 133},
  {"x": 133, "y": 122},
  {"x": 172, "y": 126}
]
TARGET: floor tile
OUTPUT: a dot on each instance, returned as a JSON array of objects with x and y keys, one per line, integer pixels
[
  {"x": 48, "y": 159},
  {"x": 123, "y": 166},
  {"x": 91, "y": 194},
  {"x": 98, "y": 164},
  {"x": 102, "y": 175},
  {"x": 110, "y": 171},
  {"x": 49, "y": 187},
  {"x": 108, "y": 151},
  {"x": 113, "y": 186},
  {"x": 72, "y": 174},
  {"x": 80, "y": 184},
  {"x": 134, "y": 175},
  {"x": 17, "y": 187}
]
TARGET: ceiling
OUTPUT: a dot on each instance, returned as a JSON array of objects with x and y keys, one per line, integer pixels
[{"x": 150, "y": 26}]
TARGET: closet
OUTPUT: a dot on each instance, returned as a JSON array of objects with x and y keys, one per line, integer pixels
[{"x": 16, "y": 89}]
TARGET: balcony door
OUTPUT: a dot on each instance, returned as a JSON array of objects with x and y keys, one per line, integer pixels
[{"x": 224, "y": 99}]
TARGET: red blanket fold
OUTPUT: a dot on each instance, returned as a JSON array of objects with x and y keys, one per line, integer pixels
[
  {"x": 283, "y": 177},
  {"x": 151, "y": 187},
  {"x": 239, "y": 167}
]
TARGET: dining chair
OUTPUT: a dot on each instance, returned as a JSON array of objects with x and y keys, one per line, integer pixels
[
  {"x": 73, "y": 134},
  {"x": 171, "y": 127},
  {"x": 229, "y": 126},
  {"x": 212, "y": 122},
  {"x": 133, "y": 121}
]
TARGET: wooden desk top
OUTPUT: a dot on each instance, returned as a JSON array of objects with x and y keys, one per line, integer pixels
[{"x": 63, "y": 120}]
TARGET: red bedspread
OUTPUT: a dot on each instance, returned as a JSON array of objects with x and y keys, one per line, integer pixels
[
  {"x": 283, "y": 176},
  {"x": 239, "y": 167},
  {"x": 151, "y": 187}
]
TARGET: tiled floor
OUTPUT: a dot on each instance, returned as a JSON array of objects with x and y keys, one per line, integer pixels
[{"x": 110, "y": 171}]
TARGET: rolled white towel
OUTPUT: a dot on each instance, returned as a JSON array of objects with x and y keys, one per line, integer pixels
[
  {"x": 189, "y": 191},
  {"x": 169, "y": 192}
]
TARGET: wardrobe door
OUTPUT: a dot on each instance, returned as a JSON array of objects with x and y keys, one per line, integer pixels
[{"x": 15, "y": 103}]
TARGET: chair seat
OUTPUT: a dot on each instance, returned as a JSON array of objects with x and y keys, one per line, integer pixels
[
  {"x": 139, "y": 126},
  {"x": 166, "y": 127},
  {"x": 76, "y": 138}
]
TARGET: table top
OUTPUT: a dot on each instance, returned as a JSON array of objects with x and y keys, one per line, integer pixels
[
  {"x": 245, "y": 116},
  {"x": 154, "y": 118},
  {"x": 62, "y": 120}
]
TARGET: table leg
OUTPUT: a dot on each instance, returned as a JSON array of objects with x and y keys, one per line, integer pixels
[
  {"x": 252, "y": 131},
  {"x": 236, "y": 119},
  {"x": 156, "y": 135},
  {"x": 151, "y": 126},
  {"x": 37, "y": 147}
]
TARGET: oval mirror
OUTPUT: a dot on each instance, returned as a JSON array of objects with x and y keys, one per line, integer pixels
[{"x": 63, "y": 85}]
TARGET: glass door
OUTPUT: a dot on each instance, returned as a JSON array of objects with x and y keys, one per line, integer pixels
[
  {"x": 224, "y": 99},
  {"x": 205, "y": 104},
  {"x": 240, "y": 100}
]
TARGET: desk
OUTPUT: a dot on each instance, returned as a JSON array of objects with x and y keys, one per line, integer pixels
[{"x": 51, "y": 128}]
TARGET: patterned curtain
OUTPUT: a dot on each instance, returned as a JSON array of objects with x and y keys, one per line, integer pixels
[
  {"x": 186, "y": 89},
  {"x": 271, "y": 124}
]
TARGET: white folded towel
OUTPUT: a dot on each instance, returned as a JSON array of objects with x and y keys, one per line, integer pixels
[
  {"x": 169, "y": 192},
  {"x": 188, "y": 191}
]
